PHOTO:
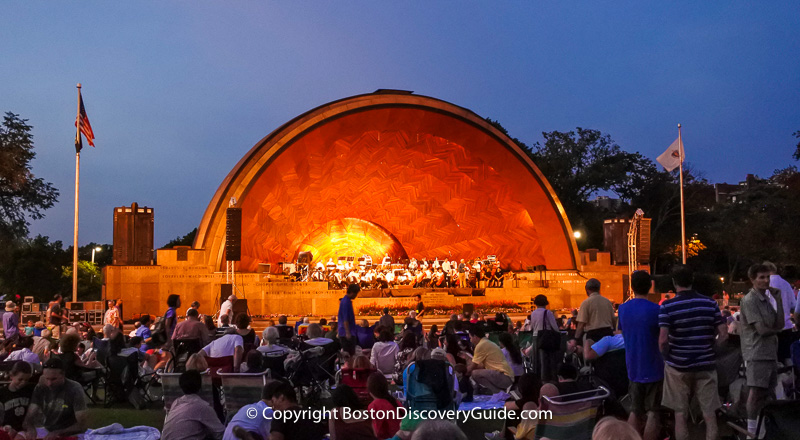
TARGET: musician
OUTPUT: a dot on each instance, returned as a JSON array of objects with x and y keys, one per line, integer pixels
[
  {"x": 418, "y": 278},
  {"x": 427, "y": 277},
  {"x": 387, "y": 260},
  {"x": 462, "y": 274},
  {"x": 446, "y": 266},
  {"x": 440, "y": 278},
  {"x": 353, "y": 278},
  {"x": 338, "y": 279},
  {"x": 495, "y": 275},
  {"x": 319, "y": 266},
  {"x": 331, "y": 265},
  {"x": 412, "y": 266},
  {"x": 317, "y": 275},
  {"x": 436, "y": 264}
]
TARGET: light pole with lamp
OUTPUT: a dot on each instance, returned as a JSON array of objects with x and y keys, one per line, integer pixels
[{"x": 96, "y": 249}]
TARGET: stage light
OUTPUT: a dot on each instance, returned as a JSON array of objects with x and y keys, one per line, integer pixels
[{"x": 577, "y": 235}]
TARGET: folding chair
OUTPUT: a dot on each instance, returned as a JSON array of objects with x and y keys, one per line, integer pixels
[
  {"x": 422, "y": 396},
  {"x": 240, "y": 389},
  {"x": 181, "y": 350},
  {"x": 573, "y": 415},
  {"x": 172, "y": 390},
  {"x": 274, "y": 363},
  {"x": 778, "y": 419}
]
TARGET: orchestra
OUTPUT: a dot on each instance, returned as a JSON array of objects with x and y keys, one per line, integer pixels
[{"x": 422, "y": 273}]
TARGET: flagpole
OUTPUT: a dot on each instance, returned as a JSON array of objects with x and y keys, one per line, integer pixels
[
  {"x": 683, "y": 217},
  {"x": 77, "y": 194}
]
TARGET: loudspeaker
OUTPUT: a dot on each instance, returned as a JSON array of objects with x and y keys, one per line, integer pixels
[
  {"x": 305, "y": 258},
  {"x": 225, "y": 290},
  {"x": 233, "y": 234},
  {"x": 643, "y": 247},
  {"x": 467, "y": 309},
  {"x": 240, "y": 306}
]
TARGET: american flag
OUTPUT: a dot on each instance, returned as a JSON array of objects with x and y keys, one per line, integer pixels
[{"x": 82, "y": 122}]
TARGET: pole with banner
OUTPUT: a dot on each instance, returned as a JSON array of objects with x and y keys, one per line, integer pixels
[
  {"x": 683, "y": 216},
  {"x": 78, "y": 145}
]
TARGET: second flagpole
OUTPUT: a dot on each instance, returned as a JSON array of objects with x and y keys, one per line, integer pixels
[
  {"x": 77, "y": 196},
  {"x": 683, "y": 218}
]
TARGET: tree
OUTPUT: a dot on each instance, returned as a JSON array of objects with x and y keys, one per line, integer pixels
[
  {"x": 796, "y": 154},
  {"x": 90, "y": 280},
  {"x": 186, "y": 240},
  {"x": 22, "y": 195},
  {"x": 33, "y": 268}
]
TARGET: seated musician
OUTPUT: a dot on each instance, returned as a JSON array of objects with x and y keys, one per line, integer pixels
[
  {"x": 412, "y": 266},
  {"x": 319, "y": 266},
  {"x": 390, "y": 278},
  {"x": 317, "y": 275},
  {"x": 440, "y": 278},
  {"x": 387, "y": 260},
  {"x": 426, "y": 278},
  {"x": 330, "y": 265},
  {"x": 436, "y": 264}
]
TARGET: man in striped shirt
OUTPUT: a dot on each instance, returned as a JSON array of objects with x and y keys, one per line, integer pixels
[{"x": 690, "y": 323}]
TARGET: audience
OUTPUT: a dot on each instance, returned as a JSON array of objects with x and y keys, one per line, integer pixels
[
  {"x": 341, "y": 426},
  {"x": 382, "y": 400},
  {"x": 259, "y": 425},
  {"x": 489, "y": 369},
  {"x": 15, "y": 398},
  {"x": 192, "y": 328},
  {"x": 304, "y": 428},
  {"x": 384, "y": 352},
  {"x": 57, "y": 405}
]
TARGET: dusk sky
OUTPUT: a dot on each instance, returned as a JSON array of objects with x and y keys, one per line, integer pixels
[{"x": 177, "y": 92}]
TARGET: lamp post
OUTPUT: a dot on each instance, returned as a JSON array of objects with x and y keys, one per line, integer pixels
[{"x": 96, "y": 249}]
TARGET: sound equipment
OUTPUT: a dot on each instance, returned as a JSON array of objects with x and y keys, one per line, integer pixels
[
  {"x": 305, "y": 258},
  {"x": 27, "y": 308},
  {"x": 93, "y": 305},
  {"x": 264, "y": 268},
  {"x": 233, "y": 234},
  {"x": 31, "y": 317},
  {"x": 79, "y": 316},
  {"x": 27, "y": 300},
  {"x": 240, "y": 306},
  {"x": 615, "y": 239},
  {"x": 94, "y": 317},
  {"x": 73, "y": 306},
  {"x": 467, "y": 309},
  {"x": 225, "y": 290},
  {"x": 133, "y": 235}
]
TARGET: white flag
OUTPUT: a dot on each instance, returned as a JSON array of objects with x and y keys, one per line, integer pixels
[{"x": 673, "y": 157}]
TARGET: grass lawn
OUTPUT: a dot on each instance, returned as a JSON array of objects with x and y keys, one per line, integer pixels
[{"x": 126, "y": 416}]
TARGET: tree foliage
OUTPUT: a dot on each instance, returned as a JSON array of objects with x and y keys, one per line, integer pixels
[
  {"x": 33, "y": 268},
  {"x": 22, "y": 195},
  {"x": 186, "y": 240}
]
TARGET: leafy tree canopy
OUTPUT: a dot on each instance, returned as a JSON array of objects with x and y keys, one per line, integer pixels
[
  {"x": 186, "y": 240},
  {"x": 22, "y": 195}
]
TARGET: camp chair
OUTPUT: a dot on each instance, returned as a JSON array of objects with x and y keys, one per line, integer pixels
[
  {"x": 181, "y": 350},
  {"x": 274, "y": 363},
  {"x": 573, "y": 415},
  {"x": 422, "y": 396},
  {"x": 240, "y": 389},
  {"x": 778, "y": 420},
  {"x": 172, "y": 390},
  {"x": 356, "y": 378},
  {"x": 217, "y": 364}
]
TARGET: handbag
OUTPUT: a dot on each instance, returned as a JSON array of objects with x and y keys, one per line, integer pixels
[{"x": 548, "y": 339}]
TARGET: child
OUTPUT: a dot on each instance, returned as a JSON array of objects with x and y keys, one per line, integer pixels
[
  {"x": 37, "y": 328},
  {"x": 29, "y": 329}
]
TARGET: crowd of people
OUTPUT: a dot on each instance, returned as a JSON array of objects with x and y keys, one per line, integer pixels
[
  {"x": 677, "y": 355},
  {"x": 416, "y": 273}
]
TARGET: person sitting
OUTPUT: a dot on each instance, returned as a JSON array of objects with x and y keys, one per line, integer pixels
[
  {"x": 348, "y": 428},
  {"x": 269, "y": 342},
  {"x": 612, "y": 428},
  {"x": 74, "y": 367},
  {"x": 24, "y": 353},
  {"x": 224, "y": 325},
  {"x": 567, "y": 383},
  {"x": 411, "y": 323},
  {"x": 382, "y": 400},
  {"x": 15, "y": 397},
  {"x": 229, "y": 345},
  {"x": 527, "y": 392},
  {"x": 41, "y": 345},
  {"x": 255, "y": 426},
  {"x": 382, "y": 355},
  {"x": 406, "y": 347},
  {"x": 284, "y": 398},
  {"x": 192, "y": 328},
  {"x": 489, "y": 368},
  {"x": 249, "y": 337},
  {"x": 387, "y": 320},
  {"x": 190, "y": 417},
  {"x": 365, "y": 334},
  {"x": 254, "y": 363},
  {"x": 315, "y": 337},
  {"x": 57, "y": 404},
  {"x": 196, "y": 362},
  {"x": 512, "y": 353}
]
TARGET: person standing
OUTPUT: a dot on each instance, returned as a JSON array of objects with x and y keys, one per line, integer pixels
[
  {"x": 347, "y": 318},
  {"x": 226, "y": 309},
  {"x": 786, "y": 336},
  {"x": 690, "y": 322},
  {"x": 543, "y": 320},
  {"x": 387, "y": 320},
  {"x": 761, "y": 321},
  {"x": 638, "y": 322},
  {"x": 11, "y": 322},
  {"x": 462, "y": 274},
  {"x": 596, "y": 314},
  {"x": 112, "y": 314}
]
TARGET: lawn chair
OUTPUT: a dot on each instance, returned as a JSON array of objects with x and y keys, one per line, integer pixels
[
  {"x": 172, "y": 390},
  {"x": 181, "y": 350},
  {"x": 240, "y": 389},
  {"x": 778, "y": 420},
  {"x": 573, "y": 415},
  {"x": 274, "y": 363},
  {"x": 220, "y": 364}
]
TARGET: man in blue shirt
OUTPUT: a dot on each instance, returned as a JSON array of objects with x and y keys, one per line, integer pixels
[
  {"x": 690, "y": 323},
  {"x": 260, "y": 424},
  {"x": 347, "y": 318},
  {"x": 638, "y": 321}
]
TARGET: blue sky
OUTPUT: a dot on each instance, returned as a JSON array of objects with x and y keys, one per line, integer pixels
[{"x": 178, "y": 91}]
